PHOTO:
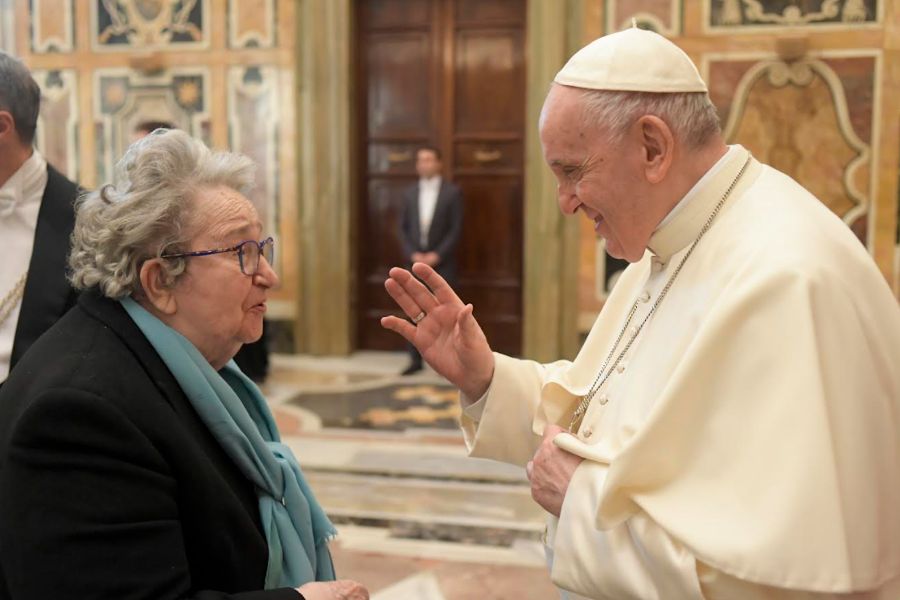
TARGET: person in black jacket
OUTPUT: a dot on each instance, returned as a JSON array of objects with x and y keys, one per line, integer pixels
[
  {"x": 136, "y": 460},
  {"x": 431, "y": 224},
  {"x": 36, "y": 218}
]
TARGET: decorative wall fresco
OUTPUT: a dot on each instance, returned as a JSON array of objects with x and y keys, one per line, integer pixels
[
  {"x": 123, "y": 98},
  {"x": 253, "y": 117},
  {"x": 58, "y": 121},
  {"x": 52, "y": 28},
  {"x": 7, "y": 27},
  {"x": 781, "y": 110},
  {"x": 661, "y": 16},
  {"x": 791, "y": 13},
  {"x": 149, "y": 24},
  {"x": 251, "y": 23}
]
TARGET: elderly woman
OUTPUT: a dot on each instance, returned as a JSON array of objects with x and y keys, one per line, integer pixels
[{"x": 136, "y": 460}]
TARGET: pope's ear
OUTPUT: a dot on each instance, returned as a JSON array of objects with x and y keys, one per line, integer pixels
[
  {"x": 657, "y": 147},
  {"x": 157, "y": 293}
]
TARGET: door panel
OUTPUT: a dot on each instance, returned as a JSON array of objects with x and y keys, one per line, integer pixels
[
  {"x": 394, "y": 13},
  {"x": 489, "y": 82},
  {"x": 398, "y": 101},
  {"x": 447, "y": 73}
]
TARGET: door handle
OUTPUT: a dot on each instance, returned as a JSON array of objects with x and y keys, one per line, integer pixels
[
  {"x": 399, "y": 157},
  {"x": 486, "y": 156}
]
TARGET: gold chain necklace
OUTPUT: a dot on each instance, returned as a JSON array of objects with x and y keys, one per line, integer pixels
[
  {"x": 604, "y": 374},
  {"x": 12, "y": 298}
]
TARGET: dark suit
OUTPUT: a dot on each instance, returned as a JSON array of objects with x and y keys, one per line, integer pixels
[
  {"x": 445, "y": 230},
  {"x": 443, "y": 235},
  {"x": 48, "y": 294},
  {"x": 110, "y": 484}
]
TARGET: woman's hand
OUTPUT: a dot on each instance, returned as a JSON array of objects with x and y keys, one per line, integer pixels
[
  {"x": 342, "y": 589},
  {"x": 448, "y": 336}
]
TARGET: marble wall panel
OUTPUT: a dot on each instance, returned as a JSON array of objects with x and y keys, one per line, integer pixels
[
  {"x": 253, "y": 117},
  {"x": 58, "y": 121},
  {"x": 7, "y": 27},
  {"x": 783, "y": 111},
  {"x": 777, "y": 14},
  {"x": 662, "y": 16},
  {"x": 118, "y": 25},
  {"x": 52, "y": 26},
  {"x": 251, "y": 23},
  {"x": 123, "y": 98}
]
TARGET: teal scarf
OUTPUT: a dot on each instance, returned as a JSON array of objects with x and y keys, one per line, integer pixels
[{"x": 234, "y": 410}]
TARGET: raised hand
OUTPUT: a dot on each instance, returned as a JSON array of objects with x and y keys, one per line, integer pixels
[{"x": 444, "y": 330}]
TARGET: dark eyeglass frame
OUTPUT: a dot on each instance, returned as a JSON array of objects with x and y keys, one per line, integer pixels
[{"x": 239, "y": 248}]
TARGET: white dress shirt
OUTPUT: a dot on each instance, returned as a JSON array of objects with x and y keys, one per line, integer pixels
[
  {"x": 428, "y": 196},
  {"x": 20, "y": 202}
]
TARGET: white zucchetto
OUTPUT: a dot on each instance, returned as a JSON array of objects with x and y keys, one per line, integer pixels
[{"x": 633, "y": 60}]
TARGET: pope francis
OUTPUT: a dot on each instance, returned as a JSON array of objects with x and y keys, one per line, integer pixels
[{"x": 731, "y": 427}]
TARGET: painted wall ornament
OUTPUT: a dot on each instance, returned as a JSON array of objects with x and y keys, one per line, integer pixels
[{"x": 150, "y": 23}]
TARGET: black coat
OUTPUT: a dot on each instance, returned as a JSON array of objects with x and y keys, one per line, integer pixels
[
  {"x": 48, "y": 294},
  {"x": 445, "y": 230},
  {"x": 110, "y": 484}
]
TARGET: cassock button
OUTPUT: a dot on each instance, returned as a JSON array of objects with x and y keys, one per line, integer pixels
[
  {"x": 588, "y": 432},
  {"x": 620, "y": 368},
  {"x": 645, "y": 297},
  {"x": 632, "y": 331},
  {"x": 603, "y": 399}
]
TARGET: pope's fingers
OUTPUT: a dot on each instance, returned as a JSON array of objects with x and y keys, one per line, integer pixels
[
  {"x": 401, "y": 326},
  {"x": 438, "y": 284},
  {"x": 466, "y": 320},
  {"x": 403, "y": 299},
  {"x": 420, "y": 294},
  {"x": 551, "y": 429}
]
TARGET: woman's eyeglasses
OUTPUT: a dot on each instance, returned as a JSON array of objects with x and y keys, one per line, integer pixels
[{"x": 248, "y": 252}]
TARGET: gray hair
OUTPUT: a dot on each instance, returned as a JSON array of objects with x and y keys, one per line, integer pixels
[
  {"x": 691, "y": 115},
  {"x": 20, "y": 96},
  {"x": 147, "y": 211}
]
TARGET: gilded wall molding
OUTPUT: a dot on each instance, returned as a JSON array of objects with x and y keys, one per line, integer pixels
[
  {"x": 140, "y": 25},
  {"x": 58, "y": 120},
  {"x": 51, "y": 26},
  {"x": 859, "y": 176},
  {"x": 747, "y": 16},
  {"x": 802, "y": 73},
  {"x": 251, "y": 25}
]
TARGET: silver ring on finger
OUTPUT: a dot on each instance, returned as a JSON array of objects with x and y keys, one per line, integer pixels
[{"x": 418, "y": 317}]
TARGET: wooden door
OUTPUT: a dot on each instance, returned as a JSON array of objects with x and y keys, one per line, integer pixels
[{"x": 449, "y": 73}]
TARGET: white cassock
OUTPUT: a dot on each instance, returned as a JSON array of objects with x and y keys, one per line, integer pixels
[{"x": 749, "y": 447}]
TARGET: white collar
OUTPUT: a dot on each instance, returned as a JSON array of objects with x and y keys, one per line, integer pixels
[
  {"x": 696, "y": 187},
  {"x": 25, "y": 185}
]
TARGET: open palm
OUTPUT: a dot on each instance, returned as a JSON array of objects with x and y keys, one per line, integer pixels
[{"x": 447, "y": 335}]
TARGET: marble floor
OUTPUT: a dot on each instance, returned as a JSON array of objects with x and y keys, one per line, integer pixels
[{"x": 417, "y": 518}]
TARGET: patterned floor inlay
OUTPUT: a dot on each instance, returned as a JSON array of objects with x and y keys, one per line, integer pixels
[{"x": 384, "y": 405}]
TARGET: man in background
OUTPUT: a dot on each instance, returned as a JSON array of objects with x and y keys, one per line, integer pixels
[
  {"x": 430, "y": 224},
  {"x": 36, "y": 219}
]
